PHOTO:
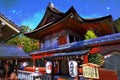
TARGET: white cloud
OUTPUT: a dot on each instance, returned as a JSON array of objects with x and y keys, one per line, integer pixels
[
  {"x": 13, "y": 11},
  {"x": 108, "y": 8},
  {"x": 33, "y": 21}
]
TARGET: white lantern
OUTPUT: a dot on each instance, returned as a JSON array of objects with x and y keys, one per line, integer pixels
[
  {"x": 48, "y": 67},
  {"x": 73, "y": 68}
]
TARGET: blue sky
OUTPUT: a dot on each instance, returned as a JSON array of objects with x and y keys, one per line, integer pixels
[{"x": 30, "y": 12}]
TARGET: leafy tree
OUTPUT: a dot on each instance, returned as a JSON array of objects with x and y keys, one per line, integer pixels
[
  {"x": 94, "y": 58},
  {"x": 21, "y": 40},
  {"x": 90, "y": 34}
]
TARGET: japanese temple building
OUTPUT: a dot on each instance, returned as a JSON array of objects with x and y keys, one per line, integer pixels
[{"x": 62, "y": 38}]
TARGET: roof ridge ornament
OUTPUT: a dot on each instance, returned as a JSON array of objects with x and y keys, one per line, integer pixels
[{"x": 51, "y": 5}]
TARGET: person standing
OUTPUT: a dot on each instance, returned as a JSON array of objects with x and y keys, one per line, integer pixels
[
  {"x": 6, "y": 69},
  {"x": 10, "y": 68}
]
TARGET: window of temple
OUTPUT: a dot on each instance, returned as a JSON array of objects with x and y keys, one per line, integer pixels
[
  {"x": 54, "y": 42},
  {"x": 77, "y": 38},
  {"x": 42, "y": 45},
  {"x": 47, "y": 44},
  {"x": 50, "y": 43},
  {"x": 73, "y": 38}
]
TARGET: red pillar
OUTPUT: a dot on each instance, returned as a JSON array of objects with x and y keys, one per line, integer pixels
[
  {"x": 85, "y": 58},
  {"x": 34, "y": 63}
]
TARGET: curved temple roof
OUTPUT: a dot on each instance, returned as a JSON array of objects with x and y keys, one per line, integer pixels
[
  {"x": 7, "y": 28},
  {"x": 53, "y": 18},
  {"x": 51, "y": 14}
]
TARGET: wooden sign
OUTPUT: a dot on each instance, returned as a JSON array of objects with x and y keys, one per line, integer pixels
[{"x": 90, "y": 71}]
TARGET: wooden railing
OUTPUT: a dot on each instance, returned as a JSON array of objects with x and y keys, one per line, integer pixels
[{"x": 26, "y": 75}]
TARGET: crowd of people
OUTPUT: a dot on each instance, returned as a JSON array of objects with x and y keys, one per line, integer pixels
[{"x": 8, "y": 70}]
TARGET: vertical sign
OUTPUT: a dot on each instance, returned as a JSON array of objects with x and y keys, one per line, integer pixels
[{"x": 73, "y": 71}]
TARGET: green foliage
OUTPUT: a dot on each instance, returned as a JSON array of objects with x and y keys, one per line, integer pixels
[
  {"x": 94, "y": 58},
  {"x": 26, "y": 28},
  {"x": 90, "y": 34},
  {"x": 117, "y": 24},
  {"x": 27, "y": 43}
]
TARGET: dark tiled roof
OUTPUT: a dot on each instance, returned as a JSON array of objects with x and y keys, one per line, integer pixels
[
  {"x": 108, "y": 39},
  {"x": 93, "y": 42},
  {"x": 12, "y": 52}
]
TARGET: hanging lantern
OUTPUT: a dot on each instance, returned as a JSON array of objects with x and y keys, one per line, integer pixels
[
  {"x": 48, "y": 67},
  {"x": 73, "y": 68}
]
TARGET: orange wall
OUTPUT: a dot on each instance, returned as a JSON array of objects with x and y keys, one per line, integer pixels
[
  {"x": 104, "y": 74},
  {"x": 62, "y": 40},
  {"x": 107, "y": 75}
]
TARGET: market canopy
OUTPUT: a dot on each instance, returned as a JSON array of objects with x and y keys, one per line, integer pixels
[{"x": 12, "y": 52}]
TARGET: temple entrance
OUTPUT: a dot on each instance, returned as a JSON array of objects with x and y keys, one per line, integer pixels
[{"x": 64, "y": 67}]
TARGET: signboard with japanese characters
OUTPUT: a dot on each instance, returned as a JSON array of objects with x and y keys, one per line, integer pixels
[
  {"x": 48, "y": 67},
  {"x": 90, "y": 71},
  {"x": 73, "y": 68}
]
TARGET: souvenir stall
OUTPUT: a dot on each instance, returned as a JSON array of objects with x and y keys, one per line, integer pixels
[
  {"x": 61, "y": 64},
  {"x": 65, "y": 65}
]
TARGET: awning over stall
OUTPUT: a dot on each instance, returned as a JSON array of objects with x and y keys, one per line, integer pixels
[
  {"x": 70, "y": 54},
  {"x": 12, "y": 52}
]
